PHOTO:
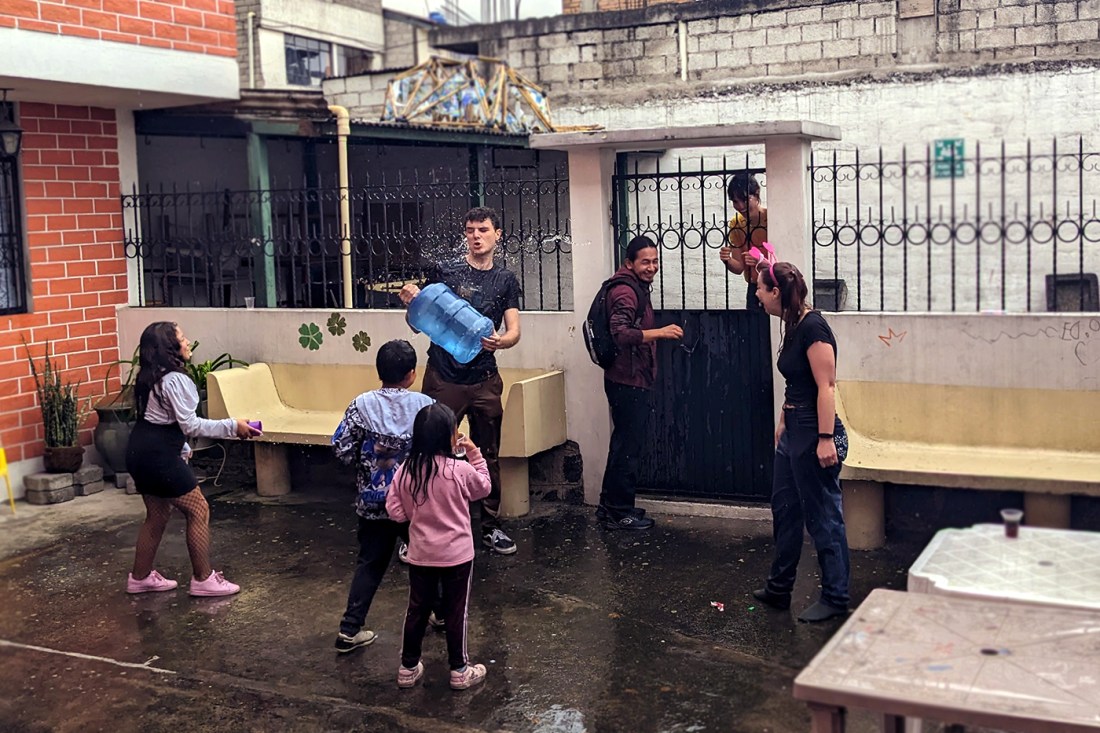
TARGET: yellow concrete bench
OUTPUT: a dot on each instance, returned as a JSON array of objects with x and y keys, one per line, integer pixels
[
  {"x": 301, "y": 404},
  {"x": 1045, "y": 443}
]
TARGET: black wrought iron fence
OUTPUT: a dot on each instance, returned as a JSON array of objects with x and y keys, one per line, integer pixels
[
  {"x": 1007, "y": 228},
  {"x": 687, "y": 212},
  {"x": 283, "y": 246}
]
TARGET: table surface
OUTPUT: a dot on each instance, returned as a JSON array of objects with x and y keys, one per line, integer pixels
[
  {"x": 1000, "y": 665},
  {"x": 1048, "y": 567}
]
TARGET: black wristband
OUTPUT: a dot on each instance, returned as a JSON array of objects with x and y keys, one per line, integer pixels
[{"x": 825, "y": 435}]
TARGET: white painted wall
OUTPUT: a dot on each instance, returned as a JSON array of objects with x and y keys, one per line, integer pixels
[
  {"x": 45, "y": 67},
  {"x": 982, "y": 109},
  {"x": 325, "y": 21},
  {"x": 1037, "y": 351}
]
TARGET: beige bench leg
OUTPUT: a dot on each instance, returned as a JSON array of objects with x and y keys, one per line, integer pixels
[
  {"x": 864, "y": 514},
  {"x": 1047, "y": 510},
  {"x": 272, "y": 469},
  {"x": 515, "y": 488}
]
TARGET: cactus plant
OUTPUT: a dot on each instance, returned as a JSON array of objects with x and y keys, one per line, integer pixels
[{"x": 63, "y": 411}]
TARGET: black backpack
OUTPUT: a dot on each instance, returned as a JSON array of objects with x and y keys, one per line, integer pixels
[{"x": 597, "y": 326}]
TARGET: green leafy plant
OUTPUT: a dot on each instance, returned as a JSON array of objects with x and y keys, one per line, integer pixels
[
  {"x": 310, "y": 336},
  {"x": 200, "y": 370},
  {"x": 63, "y": 410},
  {"x": 124, "y": 398},
  {"x": 336, "y": 324}
]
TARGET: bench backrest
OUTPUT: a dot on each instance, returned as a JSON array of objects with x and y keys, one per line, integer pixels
[
  {"x": 972, "y": 416},
  {"x": 534, "y": 399}
]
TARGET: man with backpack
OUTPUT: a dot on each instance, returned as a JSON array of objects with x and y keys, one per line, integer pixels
[{"x": 621, "y": 338}]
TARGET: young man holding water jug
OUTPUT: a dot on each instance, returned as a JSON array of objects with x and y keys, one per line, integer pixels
[{"x": 474, "y": 389}]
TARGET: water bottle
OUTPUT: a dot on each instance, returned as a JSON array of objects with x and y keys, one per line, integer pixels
[{"x": 449, "y": 321}]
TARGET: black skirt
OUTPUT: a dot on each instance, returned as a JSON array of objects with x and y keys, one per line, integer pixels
[{"x": 153, "y": 460}]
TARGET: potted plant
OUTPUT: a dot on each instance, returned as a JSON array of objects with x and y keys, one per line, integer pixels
[
  {"x": 200, "y": 370},
  {"x": 116, "y": 417},
  {"x": 63, "y": 414}
]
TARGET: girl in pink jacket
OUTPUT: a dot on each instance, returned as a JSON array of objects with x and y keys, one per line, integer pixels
[{"x": 432, "y": 490}]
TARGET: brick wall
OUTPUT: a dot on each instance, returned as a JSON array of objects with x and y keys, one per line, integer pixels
[
  {"x": 589, "y": 6},
  {"x": 70, "y": 177},
  {"x": 1004, "y": 30},
  {"x": 198, "y": 26},
  {"x": 782, "y": 40}
]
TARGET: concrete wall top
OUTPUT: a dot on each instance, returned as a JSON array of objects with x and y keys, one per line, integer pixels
[{"x": 647, "y": 138}]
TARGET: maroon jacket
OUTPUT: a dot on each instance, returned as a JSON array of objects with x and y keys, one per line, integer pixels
[{"x": 636, "y": 364}]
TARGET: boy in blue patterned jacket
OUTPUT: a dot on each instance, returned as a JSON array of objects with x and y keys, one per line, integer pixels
[{"x": 375, "y": 434}]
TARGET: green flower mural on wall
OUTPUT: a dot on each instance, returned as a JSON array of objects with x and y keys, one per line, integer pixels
[
  {"x": 310, "y": 336},
  {"x": 360, "y": 341},
  {"x": 336, "y": 324}
]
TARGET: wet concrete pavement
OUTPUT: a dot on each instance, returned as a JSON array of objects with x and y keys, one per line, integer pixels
[{"x": 582, "y": 630}]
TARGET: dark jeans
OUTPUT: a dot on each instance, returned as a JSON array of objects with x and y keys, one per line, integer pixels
[
  {"x": 424, "y": 583},
  {"x": 481, "y": 403},
  {"x": 377, "y": 538},
  {"x": 630, "y": 411},
  {"x": 805, "y": 494}
]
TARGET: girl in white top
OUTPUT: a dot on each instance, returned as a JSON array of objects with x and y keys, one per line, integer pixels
[{"x": 165, "y": 399}]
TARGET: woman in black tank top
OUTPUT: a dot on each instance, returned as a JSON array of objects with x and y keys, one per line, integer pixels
[{"x": 810, "y": 445}]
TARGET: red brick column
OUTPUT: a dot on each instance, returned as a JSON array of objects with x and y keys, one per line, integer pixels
[{"x": 76, "y": 261}]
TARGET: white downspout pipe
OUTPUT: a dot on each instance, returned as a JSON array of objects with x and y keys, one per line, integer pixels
[
  {"x": 682, "y": 42},
  {"x": 343, "y": 131},
  {"x": 251, "y": 50}
]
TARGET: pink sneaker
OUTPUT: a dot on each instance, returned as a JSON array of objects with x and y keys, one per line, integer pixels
[
  {"x": 215, "y": 585},
  {"x": 409, "y": 677},
  {"x": 472, "y": 675},
  {"x": 152, "y": 582}
]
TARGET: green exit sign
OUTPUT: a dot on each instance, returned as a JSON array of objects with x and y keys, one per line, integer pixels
[{"x": 949, "y": 157}]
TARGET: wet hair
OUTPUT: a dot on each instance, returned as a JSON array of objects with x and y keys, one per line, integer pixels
[
  {"x": 483, "y": 213},
  {"x": 792, "y": 294},
  {"x": 742, "y": 185},
  {"x": 159, "y": 353},
  {"x": 637, "y": 245},
  {"x": 433, "y": 429},
  {"x": 395, "y": 359}
]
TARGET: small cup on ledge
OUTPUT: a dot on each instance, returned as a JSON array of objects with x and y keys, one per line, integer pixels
[
  {"x": 249, "y": 302},
  {"x": 1012, "y": 519}
]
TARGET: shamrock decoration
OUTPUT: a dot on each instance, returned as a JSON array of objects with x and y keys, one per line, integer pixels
[
  {"x": 336, "y": 324},
  {"x": 311, "y": 336},
  {"x": 360, "y": 341}
]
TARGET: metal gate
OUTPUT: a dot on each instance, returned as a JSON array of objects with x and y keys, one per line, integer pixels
[{"x": 711, "y": 433}]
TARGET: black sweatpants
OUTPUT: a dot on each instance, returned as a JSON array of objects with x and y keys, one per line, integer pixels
[
  {"x": 377, "y": 538},
  {"x": 424, "y": 583}
]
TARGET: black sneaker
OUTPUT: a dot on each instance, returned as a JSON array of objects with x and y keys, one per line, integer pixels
[
  {"x": 630, "y": 521},
  {"x": 601, "y": 513},
  {"x": 499, "y": 542}
]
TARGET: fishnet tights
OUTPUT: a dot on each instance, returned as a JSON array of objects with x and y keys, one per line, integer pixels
[{"x": 196, "y": 511}]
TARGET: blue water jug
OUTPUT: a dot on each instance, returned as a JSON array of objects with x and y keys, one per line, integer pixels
[{"x": 449, "y": 321}]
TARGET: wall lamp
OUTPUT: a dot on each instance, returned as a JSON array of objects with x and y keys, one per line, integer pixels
[{"x": 11, "y": 134}]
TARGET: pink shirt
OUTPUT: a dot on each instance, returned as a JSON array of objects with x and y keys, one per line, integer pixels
[{"x": 439, "y": 529}]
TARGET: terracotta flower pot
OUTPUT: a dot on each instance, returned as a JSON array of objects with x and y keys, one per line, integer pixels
[{"x": 65, "y": 459}]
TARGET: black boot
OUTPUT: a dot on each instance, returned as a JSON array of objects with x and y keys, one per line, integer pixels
[
  {"x": 778, "y": 601},
  {"x": 821, "y": 611}
]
